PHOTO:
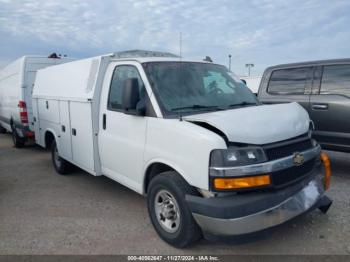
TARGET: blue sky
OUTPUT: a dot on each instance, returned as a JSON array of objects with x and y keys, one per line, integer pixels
[{"x": 263, "y": 32}]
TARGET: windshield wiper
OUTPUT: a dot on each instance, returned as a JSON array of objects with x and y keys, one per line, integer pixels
[
  {"x": 195, "y": 107},
  {"x": 244, "y": 103}
]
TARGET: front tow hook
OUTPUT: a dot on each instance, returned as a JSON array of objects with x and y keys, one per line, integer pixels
[{"x": 324, "y": 204}]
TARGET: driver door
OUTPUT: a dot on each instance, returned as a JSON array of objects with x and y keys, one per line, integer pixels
[{"x": 122, "y": 136}]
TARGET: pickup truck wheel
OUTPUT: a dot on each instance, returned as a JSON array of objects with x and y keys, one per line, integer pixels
[
  {"x": 61, "y": 166},
  {"x": 17, "y": 140},
  {"x": 169, "y": 212}
]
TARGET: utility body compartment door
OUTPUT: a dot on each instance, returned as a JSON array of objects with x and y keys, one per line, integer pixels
[
  {"x": 65, "y": 143},
  {"x": 49, "y": 110},
  {"x": 82, "y": 135}
]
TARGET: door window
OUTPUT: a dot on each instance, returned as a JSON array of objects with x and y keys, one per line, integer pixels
[
  {"x": 120, "y": 74},
  {"x": 336, "y": 80},
  {"x": 290, "y": 81}
]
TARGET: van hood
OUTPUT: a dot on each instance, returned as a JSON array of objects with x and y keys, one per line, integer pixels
[{"x": 258, "y": 124}]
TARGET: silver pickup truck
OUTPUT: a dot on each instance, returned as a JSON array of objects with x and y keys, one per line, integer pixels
[{"x": 322, "y": 88}]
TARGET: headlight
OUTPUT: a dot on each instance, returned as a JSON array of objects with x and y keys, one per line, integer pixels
[
  {"x": 222, "y": 159},
  {"x": 232, "y": 157}
]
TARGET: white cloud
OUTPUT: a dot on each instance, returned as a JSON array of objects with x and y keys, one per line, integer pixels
[{"x": 264, "y": 32}]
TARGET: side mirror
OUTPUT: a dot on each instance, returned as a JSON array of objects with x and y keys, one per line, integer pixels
[{"x": 130, "y": 96}]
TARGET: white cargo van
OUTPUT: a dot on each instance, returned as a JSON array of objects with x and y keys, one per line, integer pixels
[
  {"x": 16, "y": 84},
  {"x": 209, "y": 157}
]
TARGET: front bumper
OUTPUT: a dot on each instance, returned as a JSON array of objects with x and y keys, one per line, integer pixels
[{"x": 248, "y": 213}]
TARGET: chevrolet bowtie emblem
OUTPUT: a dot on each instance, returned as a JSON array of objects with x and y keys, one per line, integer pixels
[{"x": 298, "y": 159}]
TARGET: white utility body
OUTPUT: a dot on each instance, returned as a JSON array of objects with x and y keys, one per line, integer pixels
[
  {"x": 16, "y": 85},
  {"x": 180, "y": 132}
]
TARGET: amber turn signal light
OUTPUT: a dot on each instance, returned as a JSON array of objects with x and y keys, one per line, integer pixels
[
  {"x": 241, "y": 182},
  {"x": 327, "y": 168}
]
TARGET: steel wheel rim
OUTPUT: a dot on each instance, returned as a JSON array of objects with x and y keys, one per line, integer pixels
[{"x": 167, "y": 211}]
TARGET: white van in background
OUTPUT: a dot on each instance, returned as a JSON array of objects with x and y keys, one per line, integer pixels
[
  {"x": 209, "y": 157},
  {"x": 16, "y": 84},
  {"x": 252, "y": 82}
]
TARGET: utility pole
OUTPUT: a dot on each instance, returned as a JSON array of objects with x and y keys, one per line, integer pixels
[
  {"x": 249, "y": 66},
  {"x": 180, "y": 43},
  {"x": 229, "y": 62}
]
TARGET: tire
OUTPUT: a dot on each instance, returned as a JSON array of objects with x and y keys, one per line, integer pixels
[
  {"x": 171, "y": 218},
  {"x": 18, "y": 141},
  {"x": 61, "y": 165},
  {"x": 2, "y": 130}
]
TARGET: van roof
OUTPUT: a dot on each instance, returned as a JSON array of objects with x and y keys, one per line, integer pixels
[
  {"x": 142, "y": 53},
  {"x": 144, "y": 56},
  {"x": 160, "y": 59},
  {"x": 312, "y": 63},
  {"x": 42, "y": 56},
  {"x": 37, "y": 56}
]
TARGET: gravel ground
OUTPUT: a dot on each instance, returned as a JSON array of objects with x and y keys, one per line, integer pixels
[{"x": 44, "y": 213}]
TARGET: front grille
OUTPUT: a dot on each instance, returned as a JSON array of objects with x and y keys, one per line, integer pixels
[
  {"x": 276, "y": 152},
  {"x": 292, "y": 174},
  {"x": 285, "y": 149}
]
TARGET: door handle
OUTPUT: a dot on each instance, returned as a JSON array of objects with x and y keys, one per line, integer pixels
[
  {"x": 320, "y": 106},
  {"x": 74, "y": 132},
  {"x": 104, "y": 119}
]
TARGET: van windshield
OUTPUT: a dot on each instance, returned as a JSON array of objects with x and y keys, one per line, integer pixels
[{"x": 189, "y": 87}]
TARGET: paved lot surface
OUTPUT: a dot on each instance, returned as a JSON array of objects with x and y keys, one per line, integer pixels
[{"x": 44, "y": 213}]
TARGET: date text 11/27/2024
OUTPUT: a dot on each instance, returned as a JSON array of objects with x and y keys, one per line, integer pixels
[{"x": 173, "y": 258}]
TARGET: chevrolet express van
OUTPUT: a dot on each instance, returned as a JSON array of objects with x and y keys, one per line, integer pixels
[{"x": 188, "y": 135}]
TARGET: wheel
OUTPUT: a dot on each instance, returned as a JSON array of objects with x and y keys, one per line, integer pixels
[
  {"x": 2, "y": 130},
  {"x": 61, "y": 166},
  {"x": 17, "y": 140},
  {"x": 168, "y": 210}
]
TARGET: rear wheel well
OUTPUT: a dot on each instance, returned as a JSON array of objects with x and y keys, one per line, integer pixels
[
  {"x": 49, "y": 138},
  {"x": 154, "y": 170}
]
